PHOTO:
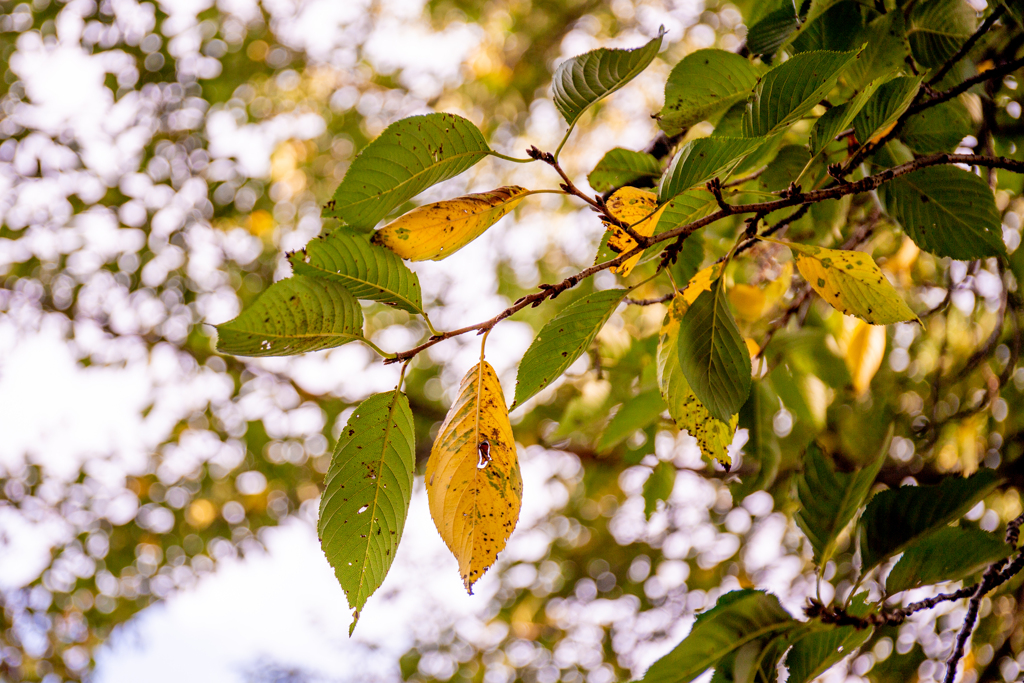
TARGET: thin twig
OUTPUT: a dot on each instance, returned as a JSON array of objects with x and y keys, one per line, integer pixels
[{"x": 746, "y": 179}]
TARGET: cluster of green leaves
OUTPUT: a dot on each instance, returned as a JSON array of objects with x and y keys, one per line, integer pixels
[{"x": 836, "y": 84}]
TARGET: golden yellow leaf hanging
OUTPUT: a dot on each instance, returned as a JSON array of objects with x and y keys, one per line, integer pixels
[
  {"x": 864, "y": 352},
  {"x": 631, "y": 205},
  {"x": 436, "y": 231},
  {"x": 474, "y": 485},
  {"x": 851, "y": 282},
  {"x": 713, "y": 436},
  {"x": 753, "y": 303}
]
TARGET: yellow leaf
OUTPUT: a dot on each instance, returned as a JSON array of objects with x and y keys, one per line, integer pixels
[
  {"x": 700, "y": 283},
  {"x": 864, "y": 354},
  {"x": 474, "y": 485},
  {"x": 713, "y": 436},
  {"x": 436, "y": 231},
  {"x": 851, "y": 282},
  {"x": 752, "y": 347},
  {"x": 753, "y": 303},
  {"x": 630, "y": 205}
]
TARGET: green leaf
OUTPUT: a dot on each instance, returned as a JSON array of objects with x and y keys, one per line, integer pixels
[
  {"x": 839, "y": 118},
  {"x": 639, "y": 412},
  {"x": 583, "y": 80},
  {"x": 565, "y": 338},
  {"x": 770, "y": 33},
  {"x": 834, "y": 28},
  {"x": 713, "y": 436},
  {"x": 830, "y": 500},
  {"x": 937, "y": 29},
  {"x": 762, "y": 447},
  {"x": 947, "y": 211},
  {"x": 703, "y": 84},
  {"x": 788, "y": 92},
  {"x": 896, "y": 518},
  {"x": 293, "y": 316},
  {"x": 658, "y": 486},
  {"x": 739, "y": 617},
  {"x": 949, "y": 554},
  {"x": 884, "y": 52},
  {"x": 816, "y": 653},
  {"x": 366, "y": 495},
  {"x": 620, "y": 167},
  {"x": 684, "y": 208},
  {"x": 885, "y": 107},
  {"x": 408, "y": 157},
  {"x": 701, "y": 160},
  {"x": 713, "y": 355},
  {"x": 851, "y": 282},
  {"x": 938, "y": 129},
  {"x": 366, "y": 271}
]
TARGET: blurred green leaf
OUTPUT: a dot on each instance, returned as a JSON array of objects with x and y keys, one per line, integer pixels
[
  {"x": 701, "y": 85},
  {"x": 949, "y": 554}
]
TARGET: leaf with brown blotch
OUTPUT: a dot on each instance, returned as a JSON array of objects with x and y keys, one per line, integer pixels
[
  {"x": 638, "y": 209},
  {"x": 436, "y": 231},
  {"x": 474, "y": 485}
]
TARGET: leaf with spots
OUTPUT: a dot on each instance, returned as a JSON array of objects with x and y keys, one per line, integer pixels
[
  {"x": 474, "y": 486},
  {"x": 712, "y": 354},
  {"x": 947, "y": 211},
  {"x": 436, "y": 231},
  {"x": 367, "y": 271},
  {"x": 583, "y": 80},
  {"x": 713, "y": 436},
  {"x": 851, "y": 282},
  {"x": 703, "y": 84},
  {"x": 638, "y": 209},
  {"x": 565, "y": 338},
  {"x": 366, "y": 495},
  {"x": 791, "y": 90},
  {"x": 408, "y": 157},
  {"x": 293, "y": 316}
]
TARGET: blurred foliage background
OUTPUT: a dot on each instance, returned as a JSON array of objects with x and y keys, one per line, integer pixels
[{"x": 158, "y": 159}]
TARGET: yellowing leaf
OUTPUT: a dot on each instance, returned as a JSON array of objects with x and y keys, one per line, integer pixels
[
  {"x": 436, "y": 231},
  {"x": 700, "y": 283},
  {"x": 864, "y": 352},
  {"x": 631, "y": 206},
  {"x": 474, "y": 485},
  {"x": 851, "y": 282},
  {"x": 753, "y": 303},
  {"x": 713, "y": 436}
]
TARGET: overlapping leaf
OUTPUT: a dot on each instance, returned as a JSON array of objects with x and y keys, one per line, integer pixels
[
  {"x": 771, "y": 32},
  {"x": 739, "y": 617},
  {"x": 937, "y": 129},
  {"x": 713, "y": 356},
  {"x": 701, "y": 160},
  {"x": 639, "y": 412},
  {"x": 703, "y": 84},
  {"x": 296, "y": 315},
  {"x": 947, "y": 211},
  {"x": 817, "y": 652},
  {"x": 829, "y": 500},
  {"x": 436, "y": 231},
  {"x": 884, "y": 53},
  {"x": 366, "y": 495},
  {"x": 885, "y": 107},
  {"x": 658, "y": 486},
  {"x": 638, "y": 209},
  {"x": 713, "y": 436},
  {"x": 851, "y": 282},
  {"x": 583, "y": 80},
  {"x": 937, "y": 29},
  {"x": 789, "y": 91},
  {"x": 565, "y": 338},
  {"x": 474, "y": 485},
  {"x": 620, "y": 167},
  {"x": 408, "y": 157},
  {"x": 949, "y": 554},
  {"x": 898, "y": 517},
  {"x": 838, "y": 118},
  {"x": 366, "y": 271}
]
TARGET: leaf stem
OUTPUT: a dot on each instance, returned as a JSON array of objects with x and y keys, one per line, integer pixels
[
  {"x": 387, "y": 356},
  {"x": 515, "y": 160}
]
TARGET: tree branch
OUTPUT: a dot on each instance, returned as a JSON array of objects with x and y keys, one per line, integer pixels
[{"x": 968, "y": 44}]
